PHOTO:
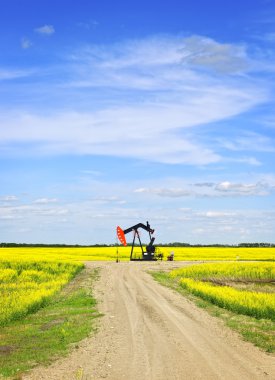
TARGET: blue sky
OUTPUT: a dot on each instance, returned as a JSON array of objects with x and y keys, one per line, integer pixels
[{"x": 115, "y": 113}]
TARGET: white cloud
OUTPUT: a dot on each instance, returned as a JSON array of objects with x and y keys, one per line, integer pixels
[
  {"x": 249, "y": 141},
  {"x": 172, "y": 193},
  {"x": 138, "y": 133},
  {"x": 161, "y": 63},
  {"x": 162, "y": 102},
  {"x": 207, "y": 53},
  {"x": 46, "y": 30},
  {"x": 26, "y": 43},
  {"x": 217, "y": 214},
  {"x": 9, "y": 198},
  {"x": 267, "y": 37},
  {"x": 45, "y": 200},
  {"x": 150, "y": 131},
  {"x": 91, "y": 24},
  {"x": 242, "y": 188},
  {"x": 245, "y": 160},
  {"x": 166, "y": 50},
  {"x": 9, "y": 74},
  {"x": 26, "y": 211},
  {"x": 94, "y": 220},
  {"x": 108, "y": 200},
  {"x": 210, "y": 190}
]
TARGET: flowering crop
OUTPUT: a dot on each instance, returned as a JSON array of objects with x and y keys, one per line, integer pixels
[
  {"x": 196, "y": 279},
  {"x": 123, "y": 253},
  {"x": 229, "y": 271},
  {"x": 26, "y": 285},
  {"x": 259, "y": 305}
]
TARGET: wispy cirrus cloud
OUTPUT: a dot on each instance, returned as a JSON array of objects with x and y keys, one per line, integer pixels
[
  {"x": 165, "y": 89},
  {"x": 227, "y": 187},
  {"x": 217, "y": 214},
  {"x": 212, "y": 190},
  {"x": 45, "y": 200},
  {"x": 8, "y": 198},
  {"x": 90, "y": 24},
  {"x": 249, "y": 141},
  {"x": 27, "y": 211},
  {"x": 47, "y": 30},
  {"x": 164, "y": 192},
  {"x": 25, "y": 43},
  {"x": 206, "y": 53},
  {"x": 108, "y": 200},
  {"x": 11, "y": 74}
]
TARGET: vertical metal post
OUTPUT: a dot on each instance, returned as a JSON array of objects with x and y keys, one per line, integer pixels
[
  {"x": 140, "y": 244},
  {"x": 133, "y": 245}
]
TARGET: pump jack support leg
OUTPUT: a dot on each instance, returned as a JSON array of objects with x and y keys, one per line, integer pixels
[
  {"x": 140, "y": 244},
  {"x": 133, "y": 246}
]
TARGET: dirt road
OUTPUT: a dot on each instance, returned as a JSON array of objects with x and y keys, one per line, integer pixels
[{"x": 150, "y": 332}]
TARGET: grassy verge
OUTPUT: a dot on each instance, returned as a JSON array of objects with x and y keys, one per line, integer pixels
[
  {"x": 258, "y": 331},
  {"x": 52, "y": 331}
]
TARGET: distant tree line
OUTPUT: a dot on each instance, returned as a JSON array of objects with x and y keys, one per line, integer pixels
[
  {"x": 174, "y": 244},
  {"x": 50, "y": 245},
  {"x": 178, "y": 244},
  {"x": 256, "y": 245}
]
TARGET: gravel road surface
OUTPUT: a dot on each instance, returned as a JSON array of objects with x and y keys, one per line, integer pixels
[{"x": 150, "y": 332}]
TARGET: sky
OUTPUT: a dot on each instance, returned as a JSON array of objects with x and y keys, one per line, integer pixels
[{"x": 121, "y": 112}]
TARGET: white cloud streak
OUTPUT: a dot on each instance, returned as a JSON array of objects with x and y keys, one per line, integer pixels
[
  {"x": 9, "y": 198},
  {"x": 45, "y": 30},
  {"x": 10, "y": 74},
  {"x": 27, "y": 211},
  {"x": 26, "y": 43},
  {"x": 249, "y": 141},
  {"x": 45, "y": 200},
  {"x": 207, "y": 53},
  {"x": 162, "y": 99},
  {"x": 242, "y": 189},
  {"x": 221, "y": 189}
]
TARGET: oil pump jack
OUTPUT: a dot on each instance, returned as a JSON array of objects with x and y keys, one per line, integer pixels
[{"x": 149, "y": 254}]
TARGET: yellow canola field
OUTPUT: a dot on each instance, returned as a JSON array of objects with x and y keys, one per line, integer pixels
[
  {"x": 229, "y": 271},
  {"x": 30, "y": 276},
  {"x": 257, "y": 304},
  {"x": 123, "y": 253},
  {"x": 26, "y": 286}
]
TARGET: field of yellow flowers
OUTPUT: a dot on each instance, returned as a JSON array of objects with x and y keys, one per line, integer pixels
[
  {"x": 123, "y": 253},
  {"x": 218, "y": 283},
  {"x": 30, "y": 276},
  {"x": 27, "y": 284}
]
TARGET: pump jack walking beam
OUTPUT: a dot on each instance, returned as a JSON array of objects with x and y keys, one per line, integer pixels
[{"x": 139, "y": 225}]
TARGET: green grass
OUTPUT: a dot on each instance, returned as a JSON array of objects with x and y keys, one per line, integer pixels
[
  {"x": 52, "y": 331},
  {"x": 258, "y": 331}
]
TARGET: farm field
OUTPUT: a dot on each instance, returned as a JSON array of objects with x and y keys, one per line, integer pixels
[
  {"x": 45, "y": 307},
  {"x": 240, "y": 292},
  {"x": 26, "y": 286},
  {"x": 220, "y": 284},
  {"x": 110, "y": 253}
]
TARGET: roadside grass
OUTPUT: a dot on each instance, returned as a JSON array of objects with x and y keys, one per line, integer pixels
[
  {"x": 260, "y": 332},
  {"x": 52, "y": 331}
]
